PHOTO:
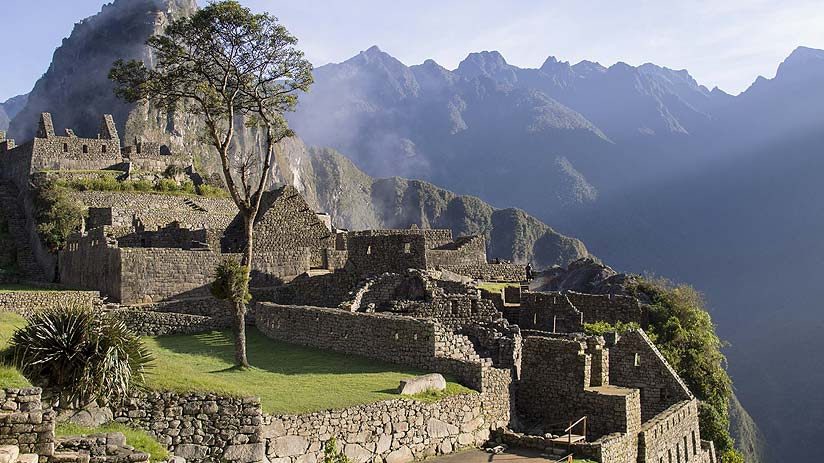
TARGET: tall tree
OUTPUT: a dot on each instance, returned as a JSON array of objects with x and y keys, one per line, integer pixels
[{"x": 231, "y": 67}]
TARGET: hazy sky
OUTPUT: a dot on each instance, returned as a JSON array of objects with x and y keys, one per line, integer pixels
[{"x": 721, "y": 42}]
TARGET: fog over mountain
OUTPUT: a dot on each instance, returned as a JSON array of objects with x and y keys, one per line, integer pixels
[{"x": 649, "y": 168}]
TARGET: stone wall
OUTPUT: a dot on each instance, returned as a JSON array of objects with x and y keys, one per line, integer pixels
[
  {"x": 375, "y": 253},
  {"x": 156, "y": 210},
  {"x": 285, "y": 222},
  {"x": 27, "y": 302},
  {"x": 567, "y": 312},
  {"x": 672, "y": 435},
  {"x": 392, "y": 338},
  {"x": 91, "y": 262},
  {"x": 554, "y": 389},
  {"x": 489, "y": 272},
  {"x": 144, "y": 275},
  {"x": 329, "y": 290},
  {"x": 466, "y": 250},
  {"x": 551, "y": 312},
  {"x": 609, "y": 308},
  {"x": 393, "y": 431},
  {"x": 154, "y": 323},
  {"x": 635, "y": 362},
  {"x": 24, "y": 423},
  {"x": 199, "y": 427}
]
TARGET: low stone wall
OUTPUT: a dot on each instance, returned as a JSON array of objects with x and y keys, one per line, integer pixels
[
  {"x": 489, "y": 272},
  {"x": 24, "y": 423},
  {"x": 199, "y": 427},
  {"x": 393, "y": 431},
  {"x": 185, "y": 316},
  {"x": 148, "y": 323},
  {"x": 28, "y": 302},
  {"x": 103, "y": 448}
]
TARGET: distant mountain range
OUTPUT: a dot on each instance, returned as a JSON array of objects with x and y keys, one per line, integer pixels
[{"x": 10, "y": 108}]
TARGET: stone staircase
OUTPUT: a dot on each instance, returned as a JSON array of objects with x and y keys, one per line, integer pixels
[
  {"x": 10, "y": 205},
  {"x": 11, "y": 454}
]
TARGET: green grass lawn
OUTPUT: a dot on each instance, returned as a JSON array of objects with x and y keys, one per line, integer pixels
[
  {"x": 140, "y": 440},
  {"x": 15, "y": 287},
  {"x": 9, "y": 376},
  {"x": 288, "y": 378},
  {"x": 495, "y": 287}
]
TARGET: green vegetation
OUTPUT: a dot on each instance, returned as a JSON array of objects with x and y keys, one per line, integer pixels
[
  {"x": 57, "y": 215},
  {"x": 600, "y": 328},
  {"x": 288, "y": 378},
  {"x": 9, "y": 375},
  {"x": 138, "y": 439},
  {"x": 331, "y": 453},
  {"x": 86, "y": 356},
  {"x": 107, "y": 180},
  {"x": 232, "y": 284},
  {"x": 495, "y": 287},
  {"x": 684, "y": 333}
]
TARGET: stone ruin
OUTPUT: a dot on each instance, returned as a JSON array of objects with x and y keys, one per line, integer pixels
[{"x": 404, "y": 296}]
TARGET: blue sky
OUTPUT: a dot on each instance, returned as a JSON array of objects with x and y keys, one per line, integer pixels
[{"x": 725, "y": 43}]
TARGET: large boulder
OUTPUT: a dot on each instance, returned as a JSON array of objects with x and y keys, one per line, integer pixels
[{"x": 419, "y": 384}]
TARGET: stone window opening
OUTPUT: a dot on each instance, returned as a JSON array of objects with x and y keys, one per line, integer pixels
[
  {"x": 456, "y": 309},
  {"x": 85, "y": 149},
  {"x": 474, "y": 307},
  {"x": 397, "y": 337},
  {"x": 65, "y": 147},
  {"x": 637, "y": 360},
  {"x": 103, "y": 149},
  {"x": 669, "y": 455},
  {"x": 678, "y": 452}
]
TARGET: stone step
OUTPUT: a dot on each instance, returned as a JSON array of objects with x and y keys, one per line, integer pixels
[
  {"x": 69, "y": 457},
  {"x": 28, "y": 458},
  {"x": 9, "y": 453}
]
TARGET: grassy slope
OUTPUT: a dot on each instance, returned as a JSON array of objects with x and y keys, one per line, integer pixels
[
  {"x": 9, "y": 376},
  {"x": 288, "y": 378}
]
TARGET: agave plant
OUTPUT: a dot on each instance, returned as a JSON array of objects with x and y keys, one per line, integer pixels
[{"x": 82, "y": 353}]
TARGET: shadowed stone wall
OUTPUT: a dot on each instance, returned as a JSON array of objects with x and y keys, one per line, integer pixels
[
  {"x": 199, "y": 427},
  {"x": 24, "y": 423},
  {"x": 635, "y": 362}
]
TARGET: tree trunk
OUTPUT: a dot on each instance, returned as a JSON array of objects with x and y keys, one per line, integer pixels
[{"x": 240, "y": 306}]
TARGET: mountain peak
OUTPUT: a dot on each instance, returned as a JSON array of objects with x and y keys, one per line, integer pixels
[
  {"x": 802, "y": 63},
  {"x": 485, "y": 63}
]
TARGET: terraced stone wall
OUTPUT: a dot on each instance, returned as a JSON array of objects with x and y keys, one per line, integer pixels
[{"x": 28, "y": 302}]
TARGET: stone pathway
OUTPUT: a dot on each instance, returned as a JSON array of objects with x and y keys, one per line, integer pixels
[{"x": 512, "y": 455}]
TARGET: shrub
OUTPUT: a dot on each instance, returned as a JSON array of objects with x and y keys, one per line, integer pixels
[
  {"x": 166, "y": 185},
  {"x": 601, "y": 328},
  {"x": 211, "y": 191},
  {"x": 82, "y": 354},
  {"x": 331, "y": 454},
  {"x": 142, "y": 185},
  {"x": 231, "y": 282},
  {"x": 57, "y": 216}
]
